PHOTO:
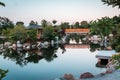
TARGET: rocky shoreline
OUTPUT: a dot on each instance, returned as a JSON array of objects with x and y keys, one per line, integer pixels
[{"x": 110, "y": 74}]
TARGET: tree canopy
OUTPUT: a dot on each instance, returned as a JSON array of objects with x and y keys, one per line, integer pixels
[
  {"x": 114, "y": 3},
  {"x": 2, "y": 4},
  {"x": 102, "y": 27}
]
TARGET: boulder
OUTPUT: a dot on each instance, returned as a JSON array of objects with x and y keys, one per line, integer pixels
[
  {"x": 68, "y": 77},
  {"x": 86, "y": 75}
]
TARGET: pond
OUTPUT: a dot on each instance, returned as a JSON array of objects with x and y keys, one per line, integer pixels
[{"x": 32, "y": 67}]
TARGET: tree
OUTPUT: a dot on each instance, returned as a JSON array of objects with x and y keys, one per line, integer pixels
[
  {"x": 116, "y": 19},
  {"x": 44, "y": 23},
  {"x": 76, "y": 25},
  {"x": 20, "y": 23},
  {"x": 48, "y": 33},
  {"x": 32, "y": 34},
  {"x": 65, "y": 25},
  {"x": 2, "y": 4},
  {"x": 5, "y": 23},
  {"x": 54, "y": 22},
  {"x": 114, "y": 3},
  {"x": 116, "y": 39},
  {"x": 32, "y": 22},
  {"x": 84, "y": 24},
  {"x": 102, "y": 27},
  {"x": 18, "y": 33}
]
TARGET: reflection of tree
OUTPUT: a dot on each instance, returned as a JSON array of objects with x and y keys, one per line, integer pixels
[
  {"x": 33, "y": 58},
  {"x": 22, "y": 58},
  {"x": 13, "y": 55},
  {"x": 94, "y": 47},
  {"x": 49, "y": 53}
]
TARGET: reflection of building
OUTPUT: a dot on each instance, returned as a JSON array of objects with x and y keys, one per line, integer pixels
[
  {"x": 77, "y": 36},
  {"x": 78, "y": 31},
  {"x": 75, "y": 46}
]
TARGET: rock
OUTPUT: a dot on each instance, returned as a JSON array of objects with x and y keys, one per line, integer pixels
[
  {"x": 102, "y": 74},
  {"x": 68, "y": 77},
  {"x": 108, "y": 71},
  {"x": 86, "y": 75},
  {"x": 110, "y": 67}
]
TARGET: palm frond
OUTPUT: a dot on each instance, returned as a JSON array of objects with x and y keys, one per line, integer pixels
[{"x": 2, "y": 4}]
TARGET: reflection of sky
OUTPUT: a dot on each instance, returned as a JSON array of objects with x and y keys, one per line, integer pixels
[
  {"x": 61, "y": 10},
  {"x": 75, "y": 61}
]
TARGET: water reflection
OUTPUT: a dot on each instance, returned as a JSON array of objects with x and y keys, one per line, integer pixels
[
  {"x": 74, "y": 61},
  {"x": 23, "y": 57},
  {"x": 97, "y": 46}
]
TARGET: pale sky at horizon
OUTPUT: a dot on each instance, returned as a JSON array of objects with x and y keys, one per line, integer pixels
[{"x": 60, "y": 10}]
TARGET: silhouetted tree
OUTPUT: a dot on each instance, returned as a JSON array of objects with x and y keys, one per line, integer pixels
[
  {"x": 76, "y": 25},
  {"x": 114, "y": 3},
  {"x": 20, "y": 23},
  {"x": 44, "y": 23},
  {"x": 2, "y": 4},
  {"x": 54, "y": 22}
]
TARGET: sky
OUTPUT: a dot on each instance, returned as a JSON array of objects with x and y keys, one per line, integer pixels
[{"x": 60, "y": 10}]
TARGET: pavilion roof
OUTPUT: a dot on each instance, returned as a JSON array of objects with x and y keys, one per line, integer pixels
[{"x": 77, "y": 30}]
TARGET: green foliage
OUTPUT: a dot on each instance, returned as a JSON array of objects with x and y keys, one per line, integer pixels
[
  {"x": 44, "y": 23},
  {"x": 117, "y": 58},
  {"x": 84, "y": 24},
  {"x": 116, "y": 44},
  {"x": 65, "y": 25},
  {"x": 5, "y": 23},
  {"x": 76, "y": 25},
  {"x": 48, "y": 33},
  {"x": 116, "y": 39},
  {"x": 6, "y": 32},
  {"x": 3, "y": 73},
  {"x": 32, "y": 34},
  {"x": 18, "y": 33},
  {"x": 102, "y": 27},
  {"x": 114, "y": 3}
]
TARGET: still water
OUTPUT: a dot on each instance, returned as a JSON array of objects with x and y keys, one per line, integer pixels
[{"x": 74, "y": 61}]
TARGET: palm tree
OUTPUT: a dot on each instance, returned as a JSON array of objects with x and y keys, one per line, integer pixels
[{"x": 2, "y": 4}]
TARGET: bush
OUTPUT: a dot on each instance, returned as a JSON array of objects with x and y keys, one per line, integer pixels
[{"x": 117, "y": 58}]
